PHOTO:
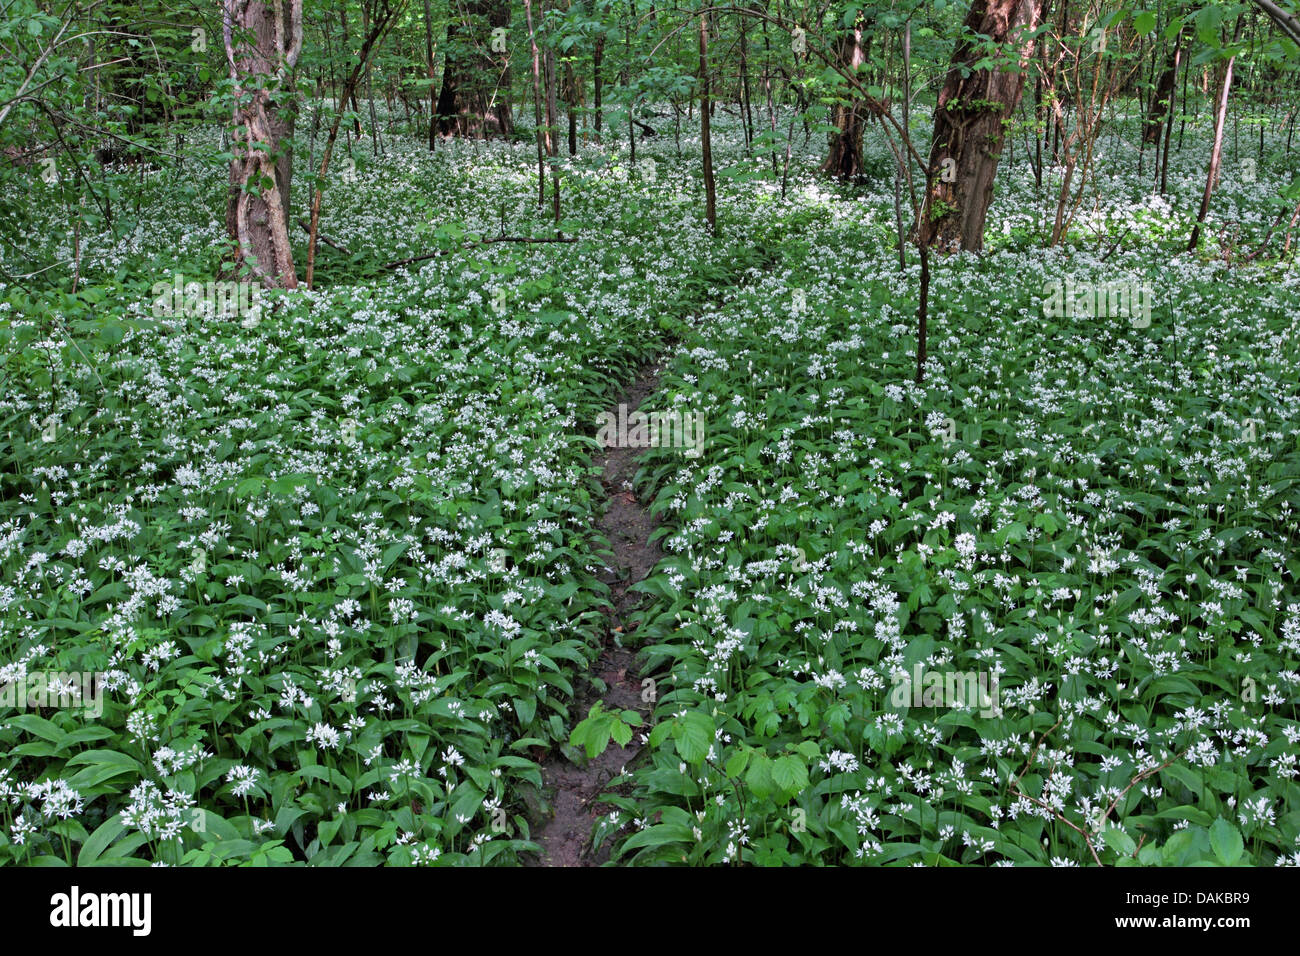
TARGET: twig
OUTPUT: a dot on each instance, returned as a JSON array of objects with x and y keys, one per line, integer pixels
[
  {"x": 1015, "y": 784},
  {"x": 1115, "y": 244},
  {"x": 1101, "y": 820},
  {"x": 338, "y": 246}
]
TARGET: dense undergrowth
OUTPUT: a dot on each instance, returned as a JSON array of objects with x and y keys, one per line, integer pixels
[
  {"x": 338, "y": 569},
  {"x": 1091, "y": 520}
]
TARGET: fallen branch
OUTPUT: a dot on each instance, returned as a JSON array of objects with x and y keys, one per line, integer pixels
[
  {"x": 337, "y": 246},
  {"x": 1268, "y": 236},
  {"x": 1115, "y": 245},
  {"x": 470, "y": 245},
  {"x": 1015, "y": 786},
  {"x": 1101, "y": 820},
  {"x": 1149, "y": 772}
]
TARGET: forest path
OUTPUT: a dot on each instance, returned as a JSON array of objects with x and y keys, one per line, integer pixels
[{"x": 565, "y": 838}]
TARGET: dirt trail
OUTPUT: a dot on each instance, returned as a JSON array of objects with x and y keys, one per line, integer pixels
[{"x": 565, "y": 838}]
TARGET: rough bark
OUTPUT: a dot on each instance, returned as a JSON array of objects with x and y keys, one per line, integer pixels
[
  {"x": 542, "y": 146},
  {"x": 1216, "y": 151},
  {"x": 844, "y": 158},
  {"x": 596, "y": 79},
  {"x": 1162, "y": 101},
  {"x": 710, "y": 193},
  {"x": 262, "y": 42},
  {"x": 474, "y": 99},
  {"x": 428, "y": 60},
  {"x": 968, "y": 124}
]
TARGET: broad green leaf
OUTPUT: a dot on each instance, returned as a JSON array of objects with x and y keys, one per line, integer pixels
[{"x": 1226, "y": 842}]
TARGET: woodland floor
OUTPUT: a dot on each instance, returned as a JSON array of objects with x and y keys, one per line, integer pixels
[
  {"x": 355, "y": 570},
  {"x": 574, "y": 784}
]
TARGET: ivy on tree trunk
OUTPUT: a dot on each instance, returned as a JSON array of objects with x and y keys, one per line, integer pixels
[
  {"x": 262, "y": 41},
  {"x": 969, "y": 117}
]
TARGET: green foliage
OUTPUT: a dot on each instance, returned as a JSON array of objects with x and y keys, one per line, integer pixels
[
  {"x": 600, "y": 726},
  {"x": 335, "y": 564}
]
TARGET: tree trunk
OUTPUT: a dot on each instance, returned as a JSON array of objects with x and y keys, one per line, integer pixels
[
  {"x": 1168, "y": 137},
  {"x": 747, "y": 112},
  {"x": 537, "y": 106},
  {"x": 474, "y": 99},
  {"x": 597, "y": 56},
  {"x": 347, "y": 47},
  {"x": 552, "y": 147},
  {"x": 901, "y": 157},
  {"x": 1162, "y": 101},
  {"x": 261, "y": 59},
  {"x": 570, "y": 105},
  {"x": 710, "y": 194},
  {"x": 428, "y": 58},
  {"x": 370, "y": 92},
  {"x": 844, "y": 159},
  {"x": 375, "y": 31},
  {"x": 968, "y": 125},
  {"x": 1216, "y": 152}
]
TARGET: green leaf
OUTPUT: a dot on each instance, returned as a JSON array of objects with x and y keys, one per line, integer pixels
[
  {"x": 759, "y": 777},
  {"x": 592, "y": 733},
  {"x": 790, "y": 774},
  {"x": 620, "y": 731},
  {"x": 694, "y": 736},
  {"x": 1119, "y": 841},
  {"x": 735, "y": 765},
  {"x": 100, "y": 840},
  {"x": 39, "y": 726},
  {"x": 1226, "y": 842},
  {"x": 249, "y": 487}
]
